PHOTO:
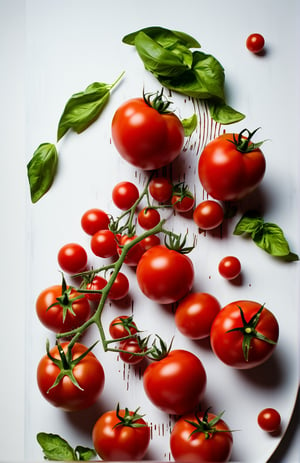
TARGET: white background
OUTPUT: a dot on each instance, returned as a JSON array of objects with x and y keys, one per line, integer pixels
[{"x": 37, "y": 38}]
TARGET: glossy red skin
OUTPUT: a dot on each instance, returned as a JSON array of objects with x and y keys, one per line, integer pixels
[
  {"x": 88, "y": 372},
  {"x": 72, "y": 258},
  {"x": 97, "y": 284},
  {"x": 176, "y": 383},
  {"x": 94, "y": 220},
  {"x": 144, "y": 137},
  {"x": 195, "y": 314},
  {"x": 197, "y": 449},
  {"x": 228, "y": 346},
  {"x": 117, "y": 329},
  {"x": 208, "y": 215},
  {"x": 269, "y": 419},
  {"x": 150, "y": 241},
  {"x": 148, "y": 218},
  {"x": 227, "y": 174},
  {"x": 134, "y": 254},
  {"x": 124, "y": 195},
  {"x": 120, "y": 287},
  {"x": 185, "y": 204},
  {"x": 164, "y": 275},
  {"x": 160, "y": 188},
  {"x": 229, "y": 267},
  {"x": 255, "y": 43},
  {"x": 53, "y": 318},
  {"x": 103, "y": 244},
  {"x": 132, "y": 347},
  {"x": 120, "y": 443}
]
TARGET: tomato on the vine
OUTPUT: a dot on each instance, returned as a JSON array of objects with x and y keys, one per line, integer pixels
[
  {"x": 72, "y": 258},
  {"x": 132, "y": 346},
  {"x": 244, "y": 334},
  {"x": 161, "y": 188},
  {"x": 150, "y": 241},
  {"x": 96, "y": 284},
  {"x": 255, "y": 43},
  {"x": 122, "y": 326},
  {"x": 124, "y": 195},
  {"x": 94, "y": 220},
  {"x": 231, "y": 166},
  {"x": 269, "y": 419},
  {"x": 148, "y": 218},
  {"x": 208, "y": 215},
  {"x": 165, "y": 275},
  {"x": 182, "y": 199},
  {"x": 104, "y": 244},
  {"x": 146, "y": 133},
  {"x": 134, "y": 254},
  {"x": 119, "y": 288},
  {"x": 229, "y": 267}
]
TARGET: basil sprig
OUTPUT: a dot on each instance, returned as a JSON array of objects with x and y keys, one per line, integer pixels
[
  {"x": 41, "y": 170},
  {"x": 168, "y": 56},
  {"x": 56, "y": 448}
]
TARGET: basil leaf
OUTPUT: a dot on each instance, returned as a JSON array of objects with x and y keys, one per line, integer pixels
[
  {"x": 55, "y": 448},
  {"x": 41, "y": 170},
  {"x": 84, "y": 453},
  {"x": 222, "y": 113},
  {"x": 271, "y": 239},
  {"x": 189, "y": 125},
  {"x": 249, "y": 223},
  {"x": 165, "y": 37}
]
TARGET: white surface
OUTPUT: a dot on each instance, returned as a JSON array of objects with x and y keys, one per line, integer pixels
[{"x": 70, "y": 44}]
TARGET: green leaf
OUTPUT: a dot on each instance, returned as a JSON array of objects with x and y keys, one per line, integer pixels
[
  {"x": 55, "y": 448},
  {"x": 222, "y": 113},
  {"x": 189, "y": 125},
  {"x": 272, "y": 240},
  {"x": 84, "y": 453},
  {"x": 41, "y": 170},
  {"x": 249, "y": 223},
  {"x": 165, "y": 37}
]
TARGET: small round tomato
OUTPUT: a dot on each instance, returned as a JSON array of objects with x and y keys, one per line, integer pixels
[
  {"x": 119, "y": 288},
  {"x": 134, "y": 254},
  {"x": 124, "y": 195},
  {"x": 121, "y": 435},
  {"x": 88, "y": 373},
  {"x": 269, "y": 419},
  {"x": 122, "y": 326},
  {"x": 72, "y": 258},
  {"x": 255, "y": 43},
  {"x": 148, "y": 218},
  {"x": 96, "y": 284},
  {"x": 165, "y": 275},
  {"x": 182, "y": 199},
  {"x": 149, "y": 242},
  {"x": 131, "y": 347},
  {"x": 200, "y": 438},
  {"x": 161, "y": 189},
  {"x": 62, "y": 310},
  {"x": 208, "y": 215},
  {"x": 103, "y": 243},
  {"x": 229, "y": 267},
  {"x": 195, "y": 314},
  {"x": 244, "y": 334},
  {"x": 94, "y": 220},
  {"x": 176, "y": 383}
]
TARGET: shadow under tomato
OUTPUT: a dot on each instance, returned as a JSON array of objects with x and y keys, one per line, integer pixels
[{"x": 269, "y": 375}]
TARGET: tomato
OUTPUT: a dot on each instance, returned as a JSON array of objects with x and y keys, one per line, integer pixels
[
  {"x": 88, "y": 373},
  {"x": 231, "y": 166},
  {"x": 160, "y": 188},
  {"x": 269, "y": 419},
  {"x": 201, "y": 438},
  {"x": 255, "y": 43},
  {"x": 149, "y": 242},
  {"x": 94, "y": 220},
  {"x": 131, "y": 346},
  {"x": 72, "y": 258},
  {"x": 208, "y": 215},
  {"x": 134, "y": 254},
  {"x": 96, "y": 284},
  {"x": 164, "y": 275},
  {"x": 124, "y": 195},
  {"x": 119, "y": 288},
  {"x": 145, "y": 137},
  {"x": 182, "y": 199},
  {"x": 195, "y": 314},
  {"x": 229, "y": 267},
  {"x": 176, "y": 383},
  {"x": 244, "y": 334},
  {"x": 103, "y": 243},
  {"x": 70, "y": 311},
  {"x": 121, "y": 435},
  {"x": 148, "y": 218},
  {"x": 122, "y": 326}
]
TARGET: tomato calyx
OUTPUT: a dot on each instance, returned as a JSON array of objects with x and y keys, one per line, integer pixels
[
  {"x": 243, "y": 143},
  {"x": 129, "y": 419},
  {"x": 177, "y": 243},
  {"x": 127, "y": 323},
  {"x": 249, "y": 332},
  {"x": 157, "y": 353},
  {"x": 158, "y": 102},
  {"x": 65, "y": 301},
  {"x": 208, "y": 428}
]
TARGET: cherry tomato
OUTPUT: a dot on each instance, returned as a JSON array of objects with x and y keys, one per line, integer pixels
[
  {"x": 120, "y": 287},
  {"x": 164, "y": 275},
  {"x": 124, "y": 195},
  {"x": 195, "y": 314},
  {"x": 88, "y": 373},
  {"x": 97, "y": 284},
  {"x": 122, "y": 326},
  {"x": 116, "y": 437},
  {"x": 176, "y": 383},
  {"x": 72, "y": 258},
  {"x": 269, "y": 419},
  {"x": 161, "y": 189},
  {"x": 148, "y": 218},
  {"x": 255, "y": 43},
  {"x": 134, "y": 254},
  {"x": 229, "y": 267},
  {"x": 145, "y": 137},
  {"x": 208, "y": 215},
  {"x": 208, "y": 439},
  {"x": 149, "y": 242},
  {"x": 103, "y": 243},
  {"x": 231, "y": 166},
  {"x": 131, "y": 346},
  {"x": 94, "y": 220},
  {"x": 182, "y": 199},
  {"x": 244, "y": 334}
]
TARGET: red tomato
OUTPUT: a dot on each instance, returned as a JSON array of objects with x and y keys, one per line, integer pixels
[
  {"x": 269, "y": 419},
  {"x": 176, "y": 383},
  {"x": 208, "y": 215},
  {"x": 148, "y": 218},
  {"x": 122, "y": 326},
  {"x": 94, "y": 220},
  {"x": 255, "y": 43},
  {"x": 144, "y": 137},
  {"x": 231, "y": 166},
  {"x": 97, "y": 284},
  {"x": 134, "y": 254},
  {"x": 208, "y": 439},
  {"x": 131, "y": 346},
  {"x": 124, "y": 195},
  {"x": 88, "y": 373},
  {"x": 182, "y": 199},
  {"x": 117, "y": 438},
  {"x": 72, "y": 258},
  {"x": 195, "y": 314},
  {"x": 254, "y": 336},
  {"x": 149, "y": 242},
  {"x": 229, "y": 267},
  {"x": 161, "y": 189},
  {"x": 164, "y": 275},
  {"x": 67, "y": 313},
  {"x": 120, "y": 287},
  {"x": 103, "y": 243}
]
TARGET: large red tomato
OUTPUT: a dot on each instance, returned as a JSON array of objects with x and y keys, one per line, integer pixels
[
  {"x": 231, "y": 166},
  {"x": 244, "y": 334},
  {"x": 165, "y": 275},
  {"x": 146, "y": 134},
  {"x": 176, "y": 383}
]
